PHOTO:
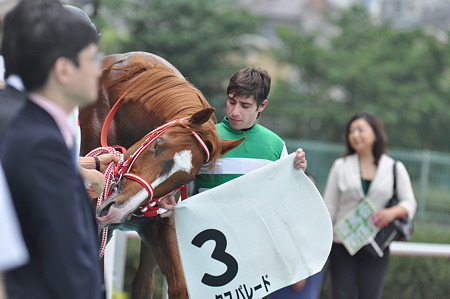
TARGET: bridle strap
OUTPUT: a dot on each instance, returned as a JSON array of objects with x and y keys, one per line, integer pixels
[
  {"x": 126, "y": 166},
  {"x": 108, "y": 120},
  {"x": 202, "y": 143},
  {"x": 142, "y": 181}
]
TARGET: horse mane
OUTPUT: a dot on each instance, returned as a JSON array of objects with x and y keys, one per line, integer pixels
[{"x": 167, "y": 95}]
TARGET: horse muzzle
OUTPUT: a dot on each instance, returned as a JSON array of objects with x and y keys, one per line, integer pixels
[{"x": 110, "y": 212}]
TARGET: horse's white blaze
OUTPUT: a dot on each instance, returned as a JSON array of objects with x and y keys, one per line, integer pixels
[
  {"x": 137, "y": 199},
  {"x": 182, "y": 162}
]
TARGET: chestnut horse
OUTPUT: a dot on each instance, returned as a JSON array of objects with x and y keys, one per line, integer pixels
[{"x": 152, "y": 93}]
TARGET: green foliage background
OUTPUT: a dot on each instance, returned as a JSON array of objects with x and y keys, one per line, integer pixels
[
  {"x": 348, "y": 65},
  {"x": 200, "y": 38},
  {"x": 356, "y": 65}
]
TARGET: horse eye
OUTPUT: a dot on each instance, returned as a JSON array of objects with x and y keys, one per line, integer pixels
[{"x": 157, "y": 142}]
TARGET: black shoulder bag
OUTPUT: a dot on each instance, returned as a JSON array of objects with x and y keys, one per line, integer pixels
[{"x": 400, "y": 229}]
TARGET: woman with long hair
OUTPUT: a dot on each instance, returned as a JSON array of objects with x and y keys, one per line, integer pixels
[{"x": 365, "y": 172}]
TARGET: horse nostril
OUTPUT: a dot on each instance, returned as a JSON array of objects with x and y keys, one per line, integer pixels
[{"x": 105, "y": 210}]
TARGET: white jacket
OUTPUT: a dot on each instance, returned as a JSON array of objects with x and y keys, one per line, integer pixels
[{"x": 343, "y": 191}]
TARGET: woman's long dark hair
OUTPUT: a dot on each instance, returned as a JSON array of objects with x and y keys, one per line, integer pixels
[{"x": 380, "y": 145}]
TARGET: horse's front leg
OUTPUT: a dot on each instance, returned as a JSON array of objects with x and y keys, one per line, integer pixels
[
  {"x": 143, "y": 283},
  {"x": 168, "y": 258}
]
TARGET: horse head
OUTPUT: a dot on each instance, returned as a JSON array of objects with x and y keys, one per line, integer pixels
[{"x": 161, "y": 162}]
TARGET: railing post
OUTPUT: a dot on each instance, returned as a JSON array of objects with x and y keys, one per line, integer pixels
[
  {"x": 119, "y": 260},
  {"x": 424, "y": 179}
]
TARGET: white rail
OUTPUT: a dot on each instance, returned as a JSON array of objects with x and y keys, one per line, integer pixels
[{"x": 420, "y": 249}]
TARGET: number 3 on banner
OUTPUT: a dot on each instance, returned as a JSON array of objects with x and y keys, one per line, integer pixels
[{"x": 218, "y": 254}]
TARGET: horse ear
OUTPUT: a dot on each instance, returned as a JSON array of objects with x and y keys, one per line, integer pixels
[
  {"x": 202, "y": 116},
  {"x": 228, "y": 145}
]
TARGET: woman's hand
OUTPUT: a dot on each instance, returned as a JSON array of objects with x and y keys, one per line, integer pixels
[{"x": 385, "y": 216}]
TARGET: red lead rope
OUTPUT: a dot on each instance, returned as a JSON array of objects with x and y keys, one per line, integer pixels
[
  {"x": 110, "y": 182},
  {"x": 148, "y": 210}
]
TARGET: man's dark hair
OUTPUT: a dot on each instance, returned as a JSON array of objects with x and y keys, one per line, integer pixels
[
  {"x": 38, "y": 32},
  {"x": 250, "y": 81},
  {"x": 82, "y": 15}
]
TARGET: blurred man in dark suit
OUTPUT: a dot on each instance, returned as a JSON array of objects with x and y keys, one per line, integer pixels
[{"x": 55, "y": 55}]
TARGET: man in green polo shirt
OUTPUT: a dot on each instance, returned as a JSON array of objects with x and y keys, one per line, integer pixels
[{"x": 247, "y": 94}]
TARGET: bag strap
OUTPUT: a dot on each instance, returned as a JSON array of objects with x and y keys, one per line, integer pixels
[
  {"x": 395, "y": 178},
  {"x": 393, "y": 200}
]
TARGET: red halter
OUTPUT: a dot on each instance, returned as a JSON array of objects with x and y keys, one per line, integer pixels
[
  {"x": 148, "y": 209},
  {"x": 124, "y": 169}
]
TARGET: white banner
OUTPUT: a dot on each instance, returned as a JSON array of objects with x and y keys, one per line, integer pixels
[{"x": 253, "y": 235}]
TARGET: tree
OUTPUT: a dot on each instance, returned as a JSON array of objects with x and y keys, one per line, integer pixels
[
  {"x": 200, "y": 38},
  {"x": 403, "y": 76}
]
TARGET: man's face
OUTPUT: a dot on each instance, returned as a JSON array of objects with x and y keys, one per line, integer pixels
[
  {"x": 242, "y": 112},
  {"x": 84, "y": 84}
]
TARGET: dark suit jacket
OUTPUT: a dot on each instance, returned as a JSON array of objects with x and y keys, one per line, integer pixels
[
  {"x": 11, "y": 101},
  {"x": 54, "y": 212}
]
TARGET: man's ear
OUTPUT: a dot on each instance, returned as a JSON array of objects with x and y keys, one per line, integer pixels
[
  {"x": 62, "y": 70},
  {"x": 263, "y": 105}
]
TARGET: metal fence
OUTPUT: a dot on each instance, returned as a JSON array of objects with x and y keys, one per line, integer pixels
[{"x": 429, "y": 172}]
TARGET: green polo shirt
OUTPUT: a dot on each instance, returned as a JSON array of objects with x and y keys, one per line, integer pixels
[{"x": 260, "y": 147}]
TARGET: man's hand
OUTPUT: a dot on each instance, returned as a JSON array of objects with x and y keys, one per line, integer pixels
[
  {"x": 300, "y": 285},
  {"x": 300, "y": 160},
  {"x": 105, "y": 159},
  {"x": 94, "y": 181},
  {"x": 168, "y": 203}
]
